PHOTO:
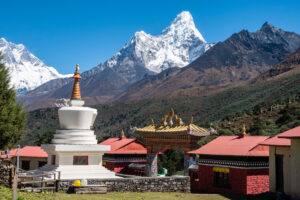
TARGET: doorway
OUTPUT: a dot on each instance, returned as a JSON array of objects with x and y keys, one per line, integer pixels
[{"x": 279, "y": 173}]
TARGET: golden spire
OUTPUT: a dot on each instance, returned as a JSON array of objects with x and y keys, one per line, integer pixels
[
  {"x": 152, "y": 121},
  {"x": 244, "y": 129},
  {"x": 180, "y": 122},
  {"x": 76, "y": 95},
  {"x": 165, "y": 120},
  {"x": 192, "y": 119},
  {"x": 171, "y": 113},
  {"x": 122, "y": 134}
]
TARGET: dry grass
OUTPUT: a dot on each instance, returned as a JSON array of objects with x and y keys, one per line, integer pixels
[{"x": 6, "y": 194}]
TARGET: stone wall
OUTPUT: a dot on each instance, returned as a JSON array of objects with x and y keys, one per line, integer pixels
[
  {"x": 6, "y": 174},
  {"x": 138, "y": 184}
]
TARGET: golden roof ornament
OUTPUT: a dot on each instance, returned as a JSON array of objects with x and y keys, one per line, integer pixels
[
  {"x": 244, "y": 129},
  {"x": 165, "y": 120},
  {"x": 192, "y": 119},
  {"x": 171, "y": 115},
  {"x": 180, "y": 122},
  {"x": 122, "y": 134},
  {"x": 152, "y": 121}
]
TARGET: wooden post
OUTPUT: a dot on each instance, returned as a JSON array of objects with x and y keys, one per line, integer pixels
[
  {"x": 15, "y": 184},
  {"x": 43, "y": 184},
  {"x": 54, "y": 184}
]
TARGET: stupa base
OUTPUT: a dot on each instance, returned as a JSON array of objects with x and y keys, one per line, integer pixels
[
  {"x": 77, "y": 172},
  {"x": 76, "y": 161}
]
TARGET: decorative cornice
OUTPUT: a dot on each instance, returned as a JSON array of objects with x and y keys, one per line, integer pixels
[{"x": 235, "y": 164}]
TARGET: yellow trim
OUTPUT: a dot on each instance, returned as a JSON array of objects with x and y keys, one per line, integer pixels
[{"x": 220, "y": 169}]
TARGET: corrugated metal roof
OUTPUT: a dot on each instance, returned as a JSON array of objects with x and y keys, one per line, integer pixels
[
  {"x": 234, "y": 146},
  {"x": 27, "y": 151},
  {"x": 124, "y": 146},
  {"x": 292, "y": 133}
]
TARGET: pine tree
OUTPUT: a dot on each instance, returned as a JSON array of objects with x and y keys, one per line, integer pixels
[{"x": 12, "y": 116}]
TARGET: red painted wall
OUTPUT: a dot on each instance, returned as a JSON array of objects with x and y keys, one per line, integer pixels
[{"x": 242, "y": 181}]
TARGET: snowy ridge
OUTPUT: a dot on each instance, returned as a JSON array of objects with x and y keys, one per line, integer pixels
[
  {"x": 26, "y": 71},
  {"x": 177, "y": 46}
]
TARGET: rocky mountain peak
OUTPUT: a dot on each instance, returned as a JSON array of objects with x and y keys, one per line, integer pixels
[{"x": 268, "y": 28}]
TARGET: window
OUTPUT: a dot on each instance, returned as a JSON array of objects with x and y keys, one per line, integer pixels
[
  {"x": 25, "y": 164},
  {"x": 221, "y": 179},
  {"x": 53, "y": 159},
  {"x": 195, "y": 176},
  {"x": 42, "y": 163},
  {"x": 80, "y": 160}
]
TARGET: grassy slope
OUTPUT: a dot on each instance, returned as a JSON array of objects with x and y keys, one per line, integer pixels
[{"x": 112, "y": 118}]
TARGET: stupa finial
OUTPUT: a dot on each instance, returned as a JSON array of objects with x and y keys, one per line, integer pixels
[{"x": 76, "y": 95}]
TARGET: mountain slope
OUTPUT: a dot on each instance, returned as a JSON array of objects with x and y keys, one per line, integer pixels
[
  {"x": 267, "y": 89},
  {"x": 287, "y": 67},
  {"x": 240, "y": 58},
  {"x": 144, "y": 55},
  {"x": 26, "y": 71},
  {"x": 114, "y": 117}
]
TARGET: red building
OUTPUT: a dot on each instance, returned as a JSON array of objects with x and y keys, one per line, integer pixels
[
  {"x": 127, "y": 156},
  {"x": 231, "y": 164}
]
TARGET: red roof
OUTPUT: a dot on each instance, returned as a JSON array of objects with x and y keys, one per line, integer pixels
[
  {"x": 27, "y": 151},
  {"x": 234, "y": 146},
  {"x": 124, "y": 146},
  {"x": 292, "y": 133},
  {"x": 283, "y": 139},
  {"x": 277, "y": 141}
]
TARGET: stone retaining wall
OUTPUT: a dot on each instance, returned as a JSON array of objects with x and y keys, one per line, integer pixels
[
  {"x": 6, "y": 174},
  {"x": 138, "y": 184}
]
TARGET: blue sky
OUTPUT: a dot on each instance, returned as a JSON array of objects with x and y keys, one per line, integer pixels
[{"x": 63, "y": 33}]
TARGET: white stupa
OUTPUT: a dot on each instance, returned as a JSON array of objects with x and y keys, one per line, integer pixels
[{"x": 74, "y": 151}]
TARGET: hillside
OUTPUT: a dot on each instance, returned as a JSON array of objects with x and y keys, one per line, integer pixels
[
  {"x": 269, "y": 90},
  {"x": 208, "y": 109}
]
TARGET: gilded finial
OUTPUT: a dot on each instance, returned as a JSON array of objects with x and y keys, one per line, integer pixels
[
  {"x": 122, "y": 134},
  {"x": 244, "y": 129},
  {"x": 77, "y": 68},
  {"x": 165, "y": 120},
  {"x": 180, "y": 121},
  {"x": 152, "y": 121},
  {"x": 192, "y": 119},
  {"x": 171, "y": 113}
]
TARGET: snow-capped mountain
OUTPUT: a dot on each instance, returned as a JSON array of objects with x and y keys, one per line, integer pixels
[
  {"x": 26, "y": 71},
  {"x": 177, "y": 46}
]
